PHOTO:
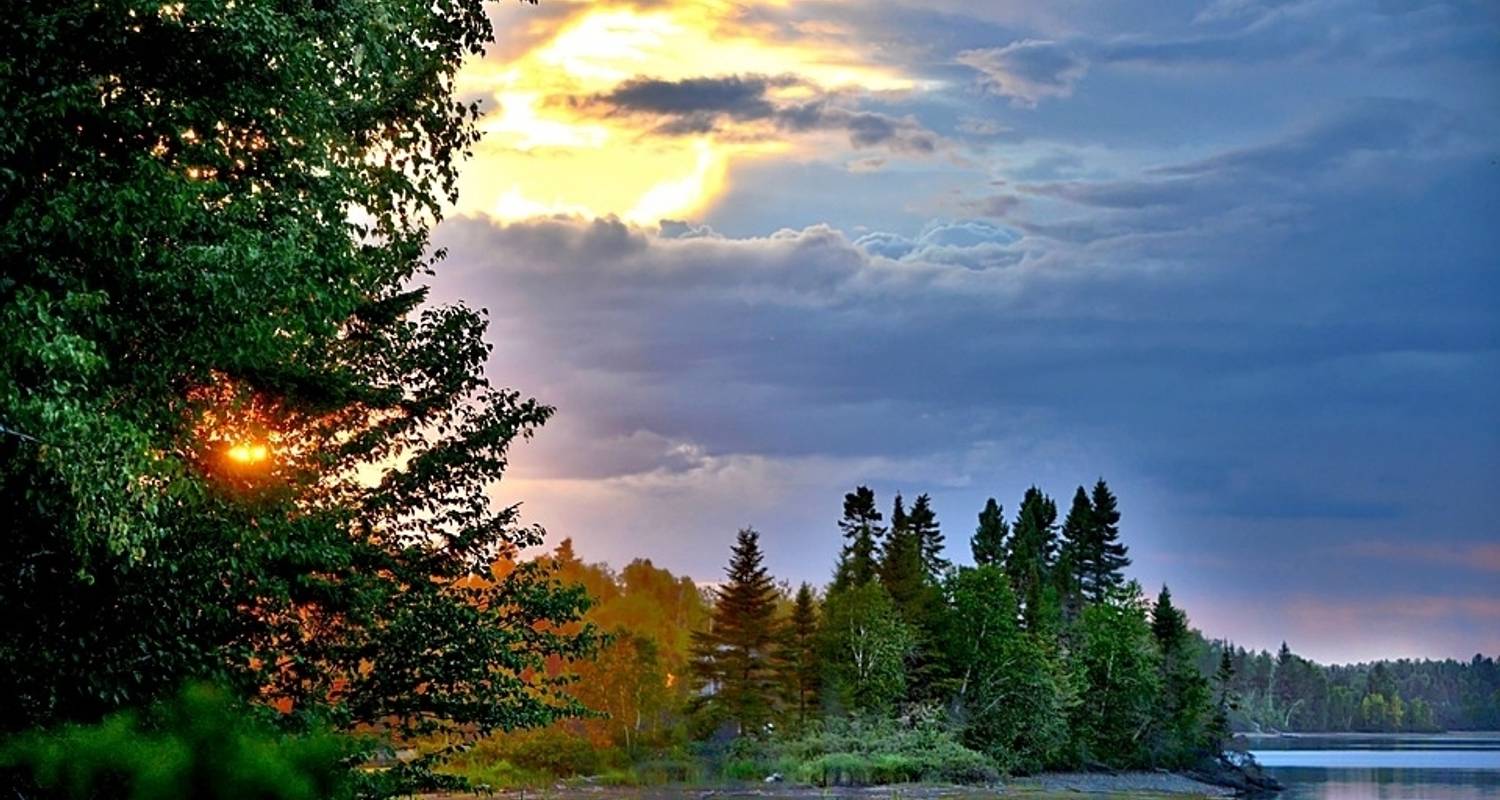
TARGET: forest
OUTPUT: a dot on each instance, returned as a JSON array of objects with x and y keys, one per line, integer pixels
[
  {"x": 904, "y": 667},
  {"x": 1286, "y": 692}
]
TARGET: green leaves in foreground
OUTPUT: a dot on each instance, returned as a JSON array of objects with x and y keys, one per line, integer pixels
[{"x": 200, "y": 745}]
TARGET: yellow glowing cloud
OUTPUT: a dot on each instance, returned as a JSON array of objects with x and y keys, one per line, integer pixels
[{"x": 544, "y": 155}]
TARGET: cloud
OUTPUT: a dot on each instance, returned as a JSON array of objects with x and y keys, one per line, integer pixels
[
  {"x": 1481, "y": 557},
  {"x": 1027, "y": 71},
  {"x": 700, "y": 105}
]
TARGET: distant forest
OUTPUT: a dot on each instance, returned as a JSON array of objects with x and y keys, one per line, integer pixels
[{"x": 1286, "y": 692}]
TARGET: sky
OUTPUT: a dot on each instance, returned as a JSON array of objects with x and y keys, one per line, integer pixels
[{"x": 1237, "y": 257}]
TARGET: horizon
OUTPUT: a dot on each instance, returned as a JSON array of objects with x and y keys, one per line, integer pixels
[{"x": 1236, "y": 257}]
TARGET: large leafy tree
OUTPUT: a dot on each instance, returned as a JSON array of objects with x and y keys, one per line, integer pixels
[
  {"x": 1118, "y": 670},
  {"x": 864, "y": 646},
  {"x": 1008, "y": 691},
  {"x": 735, "y": 660},
  {"x": 248, "y": 450}
]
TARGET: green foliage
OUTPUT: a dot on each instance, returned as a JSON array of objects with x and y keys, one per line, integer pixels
[
  {"x": 869, "y": 750},
  {"x": 1010, "y": 692},
  {"x": 202, "y": 745},
  {"x": 988, "y": 542},
  {"x": 1032, "y": 552},
  {"x": 1119, "y": 672},
  {"x": 799, "y": 658},
  {"x": 1182, "y": 734},
  {"x": 735, "y": 659},
  {"x": 214, "y": 221},
  {"x": 864, "y": 646}
]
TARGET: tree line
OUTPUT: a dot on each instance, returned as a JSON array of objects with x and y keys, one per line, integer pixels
[
  {"x": 1287, "y": 692},
  {"x": 1041, "y": 655}
]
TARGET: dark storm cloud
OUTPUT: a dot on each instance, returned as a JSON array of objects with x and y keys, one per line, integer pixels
[{"x": 701, "y": 105}]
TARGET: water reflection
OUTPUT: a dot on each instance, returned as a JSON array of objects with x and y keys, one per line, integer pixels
[{"x": 1438, "y": 767}]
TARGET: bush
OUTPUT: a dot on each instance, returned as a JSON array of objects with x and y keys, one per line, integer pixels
[
  {"x": 201, "y": 745},
  {"x": 863, "y": 752}
]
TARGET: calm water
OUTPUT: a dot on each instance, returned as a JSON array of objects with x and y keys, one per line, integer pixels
[{"x": 1356, "y": 767}]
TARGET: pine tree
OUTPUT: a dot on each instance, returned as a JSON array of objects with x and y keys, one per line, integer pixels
[
  {"x": 988, "y": 542},
  {"x": 862, "y": 536},
  {"x": 1183, "y": 714},
  {"x": 1033, "y": 550},
  {"x": 800, "y": 656},
  {"x": 924, "y": 527},
  {"x": 1225, "y": 702},
  {"x": 1073, "y": 555},
  {"x": 900, "y": 566},
  {"x": 1107, "y": 557},
  {"x": 735, "y": 659}
]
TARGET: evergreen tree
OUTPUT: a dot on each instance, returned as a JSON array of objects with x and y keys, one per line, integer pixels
[
  {"x": 800, "y": 656},
  {"x": 900, "y": 565},
  {"x": 924, "y": 528},
  {"x": 988, "y": 542},
  {"x": 1105, "y": 557},
  {"x": 735, "y": 659},
  {"x": 1226, "y": 701},
  {"x": 1033, "y": 550},
  {"x": 1073, "y": 554},
  {"x": 1183, "y": 713},
  {"x": 863, "y": 533}
]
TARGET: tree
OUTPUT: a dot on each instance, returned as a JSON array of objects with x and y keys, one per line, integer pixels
[
  {"x": 1007, "y": 689},
  {"x": 906, "y": 572},
  {"x": 735, "y": 660},
  {"x": 1119, "y": 672},
  {"x": 1106, "y": 557},
  {"x": 864, "y": 646},
  {"x": 1226, "y": 701},
  {"x": 1072, "y": 573},
  {"x": 1183, "y": 713},
  {"x": 862, "y": 536},
  {"x": 988, "y": 542},
  {"x": 924, "y": 528},
  {"x": 255, "y": 455},
  {"x": 1033, "y": 549},
  {"x": 801, "y": 656}
]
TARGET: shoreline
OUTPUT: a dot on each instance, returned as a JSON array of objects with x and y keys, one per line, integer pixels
[{"x": 1133, "y": 784}]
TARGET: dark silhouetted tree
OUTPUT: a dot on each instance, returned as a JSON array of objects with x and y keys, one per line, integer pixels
[
  {"x": 988, "y": 543},
  {"x": 858, "y": 562}
]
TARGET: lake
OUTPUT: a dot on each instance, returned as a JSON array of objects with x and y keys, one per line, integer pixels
[{"x": 1459, "y": 766}]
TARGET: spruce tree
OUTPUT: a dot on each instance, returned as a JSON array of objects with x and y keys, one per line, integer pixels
[
  {"x": 924, "y": 527},
  {"x": 900, "y": 566},
  {"x": 1225, "y": 701},
  {"x": 988, "y": 542},
  {"x": 863, "y": 533},
  {"x": 799, "y": 656},
  {"x": 1183, "y": 712},
  {"x": 735, "y": 659},
  {"x": 1107, "y": 557},
  {"x": 1074, "y": 555},
  {"x": 1033, "y": 550}
]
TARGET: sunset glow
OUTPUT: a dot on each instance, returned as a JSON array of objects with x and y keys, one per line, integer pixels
[{"x": 551, "y": 147}]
